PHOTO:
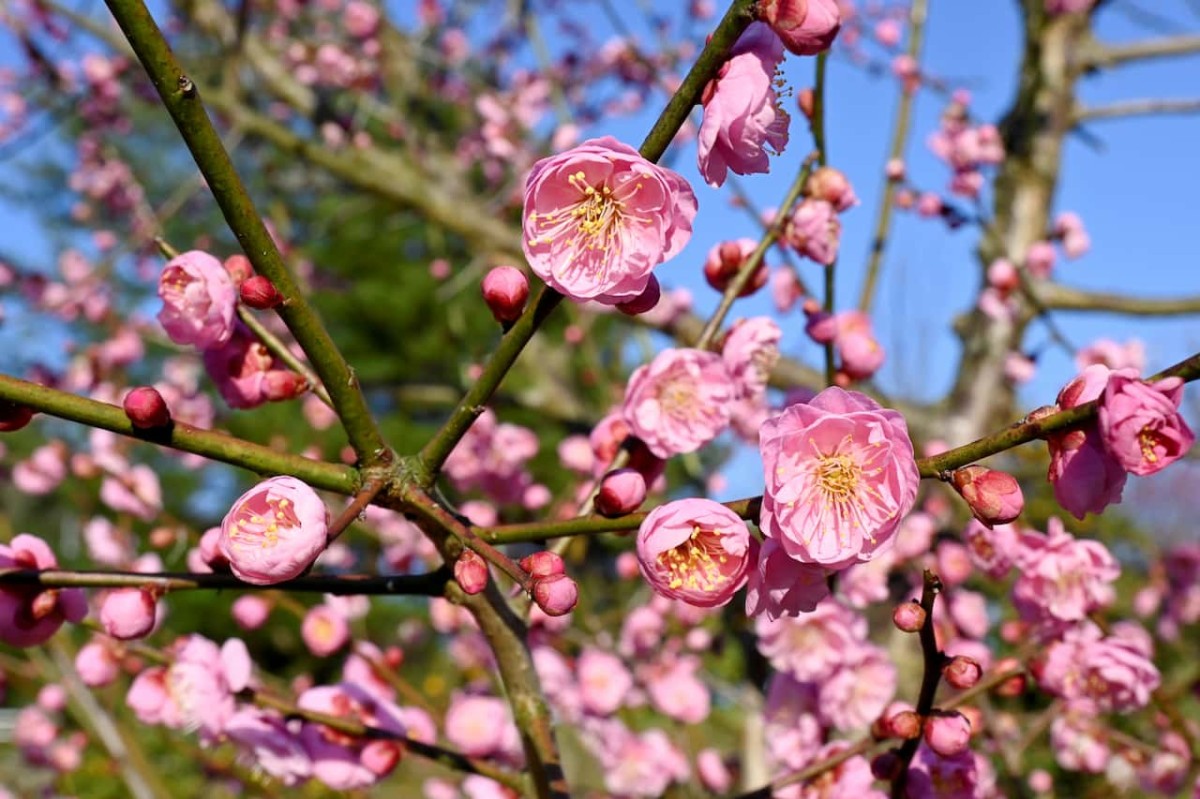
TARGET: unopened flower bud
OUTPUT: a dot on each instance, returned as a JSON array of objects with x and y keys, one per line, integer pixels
[
  {"x": 556, "y": 595},
  {"x": 1002, "y": 275},
  {"x": 886, "y": 766},
  {"x": 726, "y": 259},
  {"x": 543, "y": 564},
  {"x": 259, "y": 292},
  {"x": 1013, "y": 686},
  {"x": 994, "y": 496},
  {"x": 13, "y": 416},
  {"x": 909, "y": 617},
  {"x": 643, "y": 302},
  {"x": 962, "y": 672},
  {"x": 805, "y": 101},
  {"x": 146, "y": 408},
  {"x": 621, "y": 492},
  {"x": 380, "y": 757},
  {"x": 895, "y": 169},
  {"x": 947, "y": 733},
  {"x": 128, "y": 613},
  {"x": 905, "y": 724},
  {"x": 505, "y": 290},
  {"x": 282, "y": 384},
  {"x": 831, "y": 185},
  {"x": 471, "y": 572},
  {"x": 239, "y": 268}
]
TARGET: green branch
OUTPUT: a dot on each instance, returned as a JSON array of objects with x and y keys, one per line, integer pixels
[
  {"x": 430, "y": 584},
  {"x": 215, "y": 446},
  {"x": 182, "y": 100}
]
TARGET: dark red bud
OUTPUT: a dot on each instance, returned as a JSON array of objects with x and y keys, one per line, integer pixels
[{"x": 260, "y": 293}]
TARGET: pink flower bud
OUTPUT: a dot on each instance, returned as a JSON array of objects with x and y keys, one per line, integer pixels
[
  {"x": 471, "y": 572},
  {"x": 947, "y": 733},
  {"x": 556, "y": 595},
  {"x": 905, "y": 724},
  {"x": 239, "y": 268},
  {"x": 380, "y": 757},
  {"x": 259, "y": 292},
  {"x": 962, "y": 672},
  {"x": 909, "y": 617},
  {"x": 1002, "y": 275},
  {"x": 804, "y": 101},
  {"x": 13, "y": 416},
  {"x": 895, "y": 169},
  {"x": 994, "y": 496},
  {"x": 725, "y": 260},
  {"x": 806, "y": 27},
  {"x": 505, "y": 290},
  {"x": 543, "y": 564},
  {"x": 128, "y": 613},
  {"x": 274, "y": 531},
  {"x": 250, "y": 612},
  {"x": 831, "y": 185},
  {"x": 283, "y": 384},
  {"x": 146, "y": 408},
  {"x": 621, "y": 492},
  {"x": 644, "y": 302}
]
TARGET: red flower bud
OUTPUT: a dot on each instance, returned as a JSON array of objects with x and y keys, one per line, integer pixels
[
  {"x": 505, "y": 290},
  {"x": 259, "y": 292},
  {"x": 643, "y": 302},
  {"x": 279, "y": 384},
  {"x": 556, "y": 595},
  {"x": 146, "y": 408},
  {"x": 543, "y": 564},
  {"x": 13, "y": 416},
  {"x": 994, "y": 496},
  {"x": 725, "y": 260},
  {"x": 621, "y": 492},
  {"x": 962, "y": 672},
  {"x": 471, "y": 572},
  {"x": 239, "y": 268},
  {"x": 909, "y": 617},
  {"x": 905, "y": 724}
]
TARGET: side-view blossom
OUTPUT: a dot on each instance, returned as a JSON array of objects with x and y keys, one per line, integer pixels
[
  {"x": 994, "y": 497},
  {"x": 199, "y": 300},
  {"x": 274, "y": 531},
  {"x": 743, "y": 120},
  {"x": 814, "y": 231},
  {"x": 840, "y": 474},
  {"x": 28, "y": 614},
  {"x": 341, "y": 761},
  {"x": 779, "y": 585},
  {"x": 599, "y": 217},
  {"x": 694, "y": 550},
  {"x": 1140, "y": 422},
  {"x": 679, "y": 401},
  {"x": 806, "y": 27},
  {"x": 1085, "y": 477}
]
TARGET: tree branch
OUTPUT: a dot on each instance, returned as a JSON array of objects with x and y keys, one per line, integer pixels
[
  {"x": 1065, "y": 298},
  {"x": 181, "y": 98},
  {"x": 1102, "y": 56},
  {"x": 212, "y": 445},
  {"x": 429, "y": 584},
  {"x": 1146, "y": 107}
]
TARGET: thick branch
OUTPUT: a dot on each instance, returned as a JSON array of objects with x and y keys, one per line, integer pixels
[
  {"x": 216, "y": 446},
  {"x": 1101, "y": 56},
  {"x": 1059, "y": 297},
  {"x": 181, "y": 98},
  {"x": 1129, "y": 108}
]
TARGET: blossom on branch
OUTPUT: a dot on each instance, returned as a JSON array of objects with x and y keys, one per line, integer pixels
[
  {"x": 274, "y": 531},
  {"x": 199, "y": 300},
  {"x": 679, "y": 401},
  {"x": 599, "y": 217},
  {"x": 695, "y": 550},
  {"x": 28, "y": 614}
]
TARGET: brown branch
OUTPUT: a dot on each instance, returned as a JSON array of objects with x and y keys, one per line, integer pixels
[
  {"x": 1102, "y": 56},
  {"x": 1065, "y": 298},
  {"x": 428, "y": 584},
  {"x": 1130, "y": 108}
]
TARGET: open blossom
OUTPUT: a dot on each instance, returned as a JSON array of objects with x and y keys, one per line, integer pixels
[
  {"x": 599, "y": 217},
  {"x": 814, "y": 231},
  {"x": 1099, "y": 673},
  {"x": 680, "y": 401},
  {"x": 1140, "y": 423},
  {"x": 29, "y": 615},
  {"x": 196, "y": 690},
  {"x": 694, "y": 550},
  {"x": 274, "y": 531},
  {"x": 342, "y": 761},
  {"x": 199, "y": 300},
  {"x": 782, "y": 586},
  {"x": 743, "y": 120},
  {"x": 840, "y": 475},
  {"x": 1062, "y": 578},
  {"x": 750, "y": 352}
]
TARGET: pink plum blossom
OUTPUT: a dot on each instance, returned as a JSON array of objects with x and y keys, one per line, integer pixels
[
  {"x": 743, "y": 120},
  {"x": 1062, "y": 578},
  {"x": 268, "y": 744},
  {"x": 196, "y": 689},
  {"x": 781, "y": 586},
  {"x": 812, "y": 646},
  {"x": 806, "y": 27},
  {"x": 695, "y": 550},
  {"x": 599, "y": 217},
  {"x": 341, "y": 761},
  {"x": 199, "y": 300},
  {"x": 814, "y": 231},
  {"x": 128, "y": 613},
  {"x": 679, "y": 401},
  {"x": 30, "y": 615},
  {"x": 1085, "y": 476},
  {"x": 1140, "y": 423},
  {"x": 478, "y": 726},
  {"x": 604, "y": 681},
  {"x": 247, "y": 374},
  {"x": 1097, "y": 673},
  {"x": 274, "y": 531},
  {"x": 324, "y": 630},
  {"x": 840, "y": 474}
]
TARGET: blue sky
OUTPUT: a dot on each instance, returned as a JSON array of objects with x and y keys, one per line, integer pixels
[{"x": 1132, "y": 181}]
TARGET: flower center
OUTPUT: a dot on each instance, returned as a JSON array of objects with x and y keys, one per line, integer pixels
[
  {"x": 838, "y": 476},
  {"x": 1151, "y": 441},
  {"x": 692, "y": 564},
  {"x": 593, "y": 223},
  {"x": 262, "y": 524},
  {"x": 678, "y": 398}
]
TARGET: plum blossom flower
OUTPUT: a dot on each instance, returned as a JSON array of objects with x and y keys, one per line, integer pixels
[
  {"x": 679, "y": 401},
  {"x": 743, "y": 120},
  {"x": 1062, "y": 578},
  {"x": 247, "y": 374},
  {"x": 840, "y": 474},
  {"x": 268, "y": 744},
  {"x": 781, "y": 586},
  {"x": 599, "y": 217},
  {"x": 1140, "y": 423},
  {"x": 813, "y": 646},
  {"x": 806, "y": 27},
  {"x": 199, "y": 300},
  {"x": 341, "y": 761},
  {"x": 196, "y": 690},
  {"x": 694, "y": 550},
  {"x": 814, "y": 231},
  {"x": 1085, "y": 477},
  {"x": 29, "y": 615},
  {"x": 274, "y": 531}
]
